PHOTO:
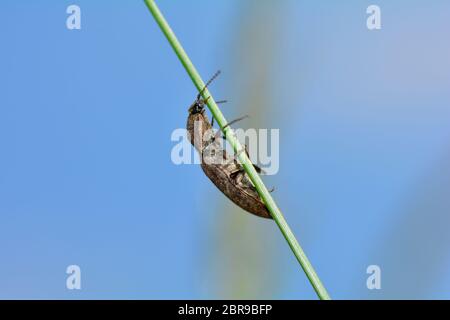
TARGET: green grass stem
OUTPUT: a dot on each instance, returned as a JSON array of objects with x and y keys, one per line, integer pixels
[{"x": 244, "y": 160}]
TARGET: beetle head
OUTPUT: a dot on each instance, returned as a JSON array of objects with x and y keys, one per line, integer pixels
[
  {"x": 198, "y": 106},
  {"x": 199, "y": 103}
]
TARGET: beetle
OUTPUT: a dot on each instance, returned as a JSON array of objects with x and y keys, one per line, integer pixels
[{"x": 221, "y": 168}]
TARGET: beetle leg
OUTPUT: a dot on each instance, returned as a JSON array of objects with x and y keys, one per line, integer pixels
[
  {"x": 212, "y": 117},
  {"x": 234, "y": 121},
  {"x": 237, "y": 175},
  {"x": 229, "y": 124},
  {"x": 257, "y": 168},
  {"x": 235, "y": 157}
]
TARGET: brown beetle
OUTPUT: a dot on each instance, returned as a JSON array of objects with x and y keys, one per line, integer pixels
[{"x": 222, "y": 169}]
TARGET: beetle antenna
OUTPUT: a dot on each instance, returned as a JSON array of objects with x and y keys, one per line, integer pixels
[{"x": 208, "y": 83}]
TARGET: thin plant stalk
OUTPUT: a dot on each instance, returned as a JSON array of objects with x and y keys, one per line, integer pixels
[{"x": 242, "y": 156}]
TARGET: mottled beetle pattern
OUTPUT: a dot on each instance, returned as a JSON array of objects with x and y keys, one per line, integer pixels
[{"x": 220, "y": 167}]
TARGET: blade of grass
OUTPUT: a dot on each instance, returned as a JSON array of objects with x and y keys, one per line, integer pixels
[{"x": 244, "y": 160}]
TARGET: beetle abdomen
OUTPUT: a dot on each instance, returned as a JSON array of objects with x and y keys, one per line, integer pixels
[{"x": 243, "y": 195}]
